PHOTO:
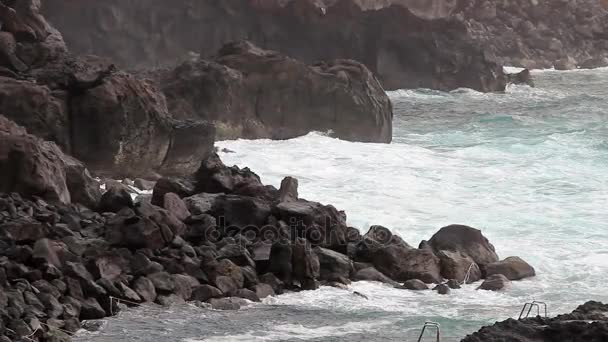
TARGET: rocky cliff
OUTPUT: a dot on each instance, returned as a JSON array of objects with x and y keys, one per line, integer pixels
[
  {"x": 540, "y": 33},
  {"x": 402, "y": 49},
  {"x": 121, "y": 124}
]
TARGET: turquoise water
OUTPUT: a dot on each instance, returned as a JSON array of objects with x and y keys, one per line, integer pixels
[{"x": 528, "y": 167}]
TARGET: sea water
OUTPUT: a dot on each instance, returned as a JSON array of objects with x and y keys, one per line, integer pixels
[{"x": 528, "y": 167}]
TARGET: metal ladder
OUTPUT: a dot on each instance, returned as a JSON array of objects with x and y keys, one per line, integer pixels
[
  {"x": 431, "y": 325},
  {"x": 534, "y": 304}
]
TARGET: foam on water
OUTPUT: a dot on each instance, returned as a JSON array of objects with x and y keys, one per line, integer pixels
[{"x": 529, "y": 167}]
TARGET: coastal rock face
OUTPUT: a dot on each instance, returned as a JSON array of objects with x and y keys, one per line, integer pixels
[
  {"x": 538, "y": 34},
  {"x": 400, "y": 48},
  {"x": 589, "y": 322},
  {"x": 34, "y": 167},
  {"x": 116, "y": 123},
  {"x": 253, "y": 93}
]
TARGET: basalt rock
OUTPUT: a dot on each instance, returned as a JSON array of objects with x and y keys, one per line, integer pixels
[
  {"x": 401, "y": 48},
  {"x": 254, "y": 93},
  {"x": 588, "y": 322},
  {"x": 514, "y": 268},
  {"x": 34, "y": 167},
  {"x": 116, "y": 123},
  {"x": 466, "y": 240},
  {"x": 537, "y": 34}
]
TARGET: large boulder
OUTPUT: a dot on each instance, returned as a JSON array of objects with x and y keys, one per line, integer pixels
[
  {"x": 305, "y": 264},
  {"x": 395, "y": 258},
  {"x": 122, "y": 127},
  {"x": 334, "y": 267},
  {"x": 466, "y": 240},
  {"x": 33, "y": 167},
  {"x": 254, "y": 93},
  {"x": 514, "y": 268},
  {"x": 458, "y": 267},
  {"x": 321, "y": 225},
  {"x": 495, "y": 282}
]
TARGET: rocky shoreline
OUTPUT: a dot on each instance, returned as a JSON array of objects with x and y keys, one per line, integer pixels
[{"x": 217, "y": 236}]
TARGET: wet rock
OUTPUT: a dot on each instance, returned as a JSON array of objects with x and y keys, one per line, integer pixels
[
  {"x": 466, "y": 240},
  {"x": 513, "y": 268},
  {"x": 321, "y": 225},
  {"x": 263, "y": 290},
  {"x": 226, "y": 303},
  {"x": 453, "y": 284},
  {"x": 334, "y": 267},
  {"x": 522, "y": 77},
  {"x": 305, "y": 264},
  {"x": 442, "y": 289},
  {"x": 495, "y": 282},
  {"x": 145, "y": 288},
  {"x": 280, "y": 261},
  {"x": 270, "y": 279},
  {"x": 414, "y": 284},
  {"x": 247, "y": 294},
  {"x": 456, "y": 266},
  {"x": 567, "y": 63},
  {"x": 91, "y": 310},
  {"x": 170, "y": 300},
  {"x": 205, "y": 292},
  {"x": 372, "y": 274}
]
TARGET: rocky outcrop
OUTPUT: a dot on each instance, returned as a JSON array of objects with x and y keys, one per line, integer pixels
[
  {"x": 538, "y": 34},
  {"x": 33, "y": 167},
  {"x": 115, "y": 122},
  {"x": 253, "y": 93},
  {"x": 220, "y": 236},
  {"x": 402, "y": 49},
  {"x": 589, "y": 322}
]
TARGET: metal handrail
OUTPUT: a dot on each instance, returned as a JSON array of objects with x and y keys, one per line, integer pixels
[
  {"x": 467, "y": 276},
  {"x": 534, "y": 304},
  {"x": 431, "y": 325}
]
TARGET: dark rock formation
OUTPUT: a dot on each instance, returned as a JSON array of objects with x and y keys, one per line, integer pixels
[
  {"x": 495, "y": 282},
  {"x": 589, "y": 322},
  {"x": 414, "y": 284},
  {"x": 538, "y": 34},
  {"x": 403, "y": 50},
  {"x": 34, "y": 167},
  {"x": 220, "y": 248},
  {"x": 253, "y": 93},
  {"x": 466, "y": 240},
  {"x": 116, "y": 123},
  {"x": 514, "y": 268}
]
